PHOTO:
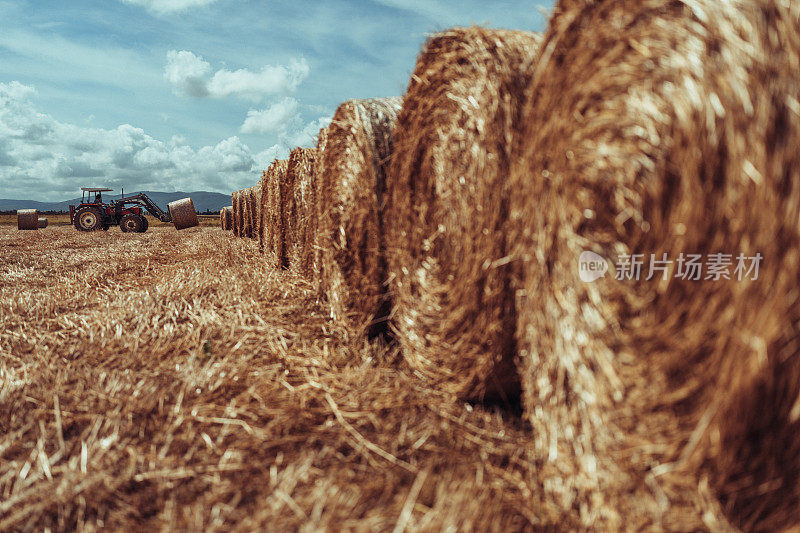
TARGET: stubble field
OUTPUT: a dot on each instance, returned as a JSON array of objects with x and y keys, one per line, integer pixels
[{"x": 174, "y": 380}]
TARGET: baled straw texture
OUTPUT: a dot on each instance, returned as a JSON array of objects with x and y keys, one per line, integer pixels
[
  {"x": 255, "y": 200},
  {"x": 183, "y": 213},
  {"x": 303, "y": 209},
  {"x": 252, "y": 196},
  {"x": 226, "y": 218},
  {"x": 447, "y": 200},
  {"x": 285, "y": 209},
  {"x": 272, "y": 183},
  {"x": 247, "y": 213},
  {"x": 236, "y": 198},
  {"x": 315, "y": 270},
  {"x": 663, "y": 128},
  {"x": 351, "y": 190},
  {"x": 263, "y": 190},
  {"x": 42, "y": 222},
  {"x": 27, "y": 219}
]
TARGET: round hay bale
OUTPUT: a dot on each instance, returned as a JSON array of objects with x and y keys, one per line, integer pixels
[
  {"x": 447, "y": 200},
  {"x": 263, "y": 189},
  {"x": 351, "y": 191},
  {"x": 302, "y": 208},
  {"x": 234, "y": 211},
  {"x": 226, "y": 218},
  {"x": 183, "y": 213},
  {"x": 315, "y": 254},
  {"x": 42, "y": 222},
  {"x": 27, "y": 219},
  {"x": 247, "y": 219},
  {"x": 271, "y": 209},
  {"x": 663, "y": 128},
  {"x": 228, "y": 211},
  {"x": 254, "y": 195}
]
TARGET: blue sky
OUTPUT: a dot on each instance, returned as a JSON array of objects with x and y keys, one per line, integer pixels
[{"x": 197, "y": 94}]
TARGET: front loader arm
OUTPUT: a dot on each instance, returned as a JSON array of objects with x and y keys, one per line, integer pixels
[{"x": 144, "y": 201}]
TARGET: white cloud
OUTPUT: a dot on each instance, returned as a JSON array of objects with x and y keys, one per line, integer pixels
[
  {"x": 39, "y": 153},
  {"x": 278, "y": 118},
  {"x": 264, "y": 159},
  {"x": 307, "y": 137},
  {"x": 187, "y": 73},
  {"x": 190, "y": 75},
  {"x": 163, "y": 7}
]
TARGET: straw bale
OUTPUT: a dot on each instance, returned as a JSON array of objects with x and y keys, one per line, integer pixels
[
  {"x": 27, "y": 219},
  {"x": 42, "y": 222},
  {"x": 663, "y": 128},
  {"x": 226, "y": 218},
  {"x": 247, "y": 218},
  {"x": 183, "y": 213},
  {"x": 271, "y": 184},
  {"x": 447, "y": 200},
  {"x": 255, "y": 200},
  {"x": 302, "y": 209},
  {"x": 351, "y": 189},
  {"x": 263, "y": 189},
  {"x": 315, "y": 256},
  {"x": 237, "y": 213}
]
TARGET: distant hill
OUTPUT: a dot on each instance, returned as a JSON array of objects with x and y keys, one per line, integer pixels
[{"x": 203, "y": 201}]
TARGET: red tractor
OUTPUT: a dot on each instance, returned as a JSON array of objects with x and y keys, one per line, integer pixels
[{"x": 127, "y": 212}]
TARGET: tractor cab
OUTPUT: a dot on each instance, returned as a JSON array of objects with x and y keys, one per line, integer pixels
[{"x": 93, "y": 195}]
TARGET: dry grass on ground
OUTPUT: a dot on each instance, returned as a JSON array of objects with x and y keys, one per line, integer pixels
[{"x": 175, "y": 380}]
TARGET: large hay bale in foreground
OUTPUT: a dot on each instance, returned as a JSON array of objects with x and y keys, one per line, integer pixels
[
  {"x": 447, "y": 200},
  {"x": 302, "y": 209},
  {"x": 27, "y": 219},
  {"x": 663, "y": 128},
  {"x": 271, "y": 184},
  {"x": 350, "y": 202}
]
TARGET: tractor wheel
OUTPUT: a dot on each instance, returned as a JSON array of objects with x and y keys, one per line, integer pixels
[
  {"x": 132, "y": 223},
  {"x": 88, "y": 219},
  {"x": 145, "y": 226}
]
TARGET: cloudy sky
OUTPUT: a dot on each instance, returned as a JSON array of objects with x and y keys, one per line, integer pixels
[{"x": 198, "y": 94}]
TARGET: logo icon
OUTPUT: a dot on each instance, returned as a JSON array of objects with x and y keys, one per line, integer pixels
[{"x": 591, "y": 266}]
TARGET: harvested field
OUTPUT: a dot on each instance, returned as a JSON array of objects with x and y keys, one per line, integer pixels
[
  {"x": 199, "y": 388},
  {"x": 351, "y": 177},
  {"x": 668, "y": 403},
  {"x": 447, "y": 200}
]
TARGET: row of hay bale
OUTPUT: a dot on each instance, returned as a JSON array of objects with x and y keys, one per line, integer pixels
[{"x": 455, "y": 218}]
